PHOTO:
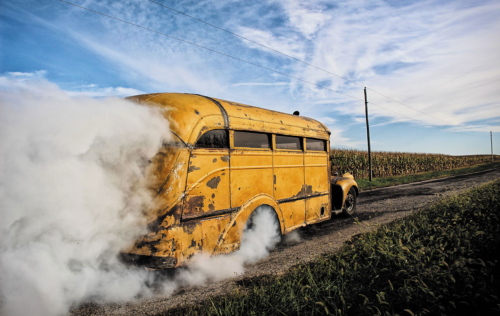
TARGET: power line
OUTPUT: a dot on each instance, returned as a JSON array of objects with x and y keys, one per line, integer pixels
[
  {"x": 242, "y": 60},
  {"x": 294, "y": 58},
  {"x": 209, "y": 49},
  {"x": 252, "y": 41}
]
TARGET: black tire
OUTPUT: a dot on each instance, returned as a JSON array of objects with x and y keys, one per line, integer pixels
[{"x": 350, "y": 203}]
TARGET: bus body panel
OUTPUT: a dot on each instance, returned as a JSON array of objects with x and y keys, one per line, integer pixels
[
  {"x": 207, "y": 183},
  {"x": 251, "y": 174},
  {"x": 318, "y": 209},
  {"x": 288, "y": 175},
  {"x": 294, "y": 214}
]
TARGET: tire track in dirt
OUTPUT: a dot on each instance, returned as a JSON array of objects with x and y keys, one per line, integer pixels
[{"x": 375, "y": 207}]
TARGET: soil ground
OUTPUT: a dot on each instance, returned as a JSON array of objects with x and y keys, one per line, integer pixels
[{"x": 375, "y": 207}]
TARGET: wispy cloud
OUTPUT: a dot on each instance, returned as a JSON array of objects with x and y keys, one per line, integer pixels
[
  {"x": 95, "y": 91},
  {"x": 261, "y": 84},
  {"x": 286, "y": 43},
  {"x": 307, "y": 17},
  {"x": 28, "y": 75},
  {"x": 439, "y": 57},
  {"x": 36, "y": 83}
]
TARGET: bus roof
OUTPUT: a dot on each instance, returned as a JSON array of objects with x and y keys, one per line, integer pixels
[{"x": 191, "y": 115}]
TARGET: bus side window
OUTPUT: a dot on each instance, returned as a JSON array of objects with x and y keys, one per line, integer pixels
[
  {"x": 315, "y": 144},
  {"x": 251, "y": 140},
  {"x": 288, "y": 142},
  {"x": 214, "y": 139}
]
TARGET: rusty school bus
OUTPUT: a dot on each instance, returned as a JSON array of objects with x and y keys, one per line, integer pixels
[{"x": 226, "y": 160}]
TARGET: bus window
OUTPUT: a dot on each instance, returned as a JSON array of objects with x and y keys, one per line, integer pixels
[
  {"x": 251, "y": 140},
  {"x": 315, "y": 144},
  {"x": 214, "y": 139},
  {"x": 288, "y": 142}
]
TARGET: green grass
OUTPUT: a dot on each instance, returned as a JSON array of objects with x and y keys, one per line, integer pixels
[
  {"x": 439, "y": 261},
  {"x": 365, "y": 184}
]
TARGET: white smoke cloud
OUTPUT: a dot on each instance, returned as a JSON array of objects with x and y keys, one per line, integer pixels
[
  {"x": 292, "y": 238},
  {"x": 71, "y": 197},
  {"x": 258, "y": 239}
]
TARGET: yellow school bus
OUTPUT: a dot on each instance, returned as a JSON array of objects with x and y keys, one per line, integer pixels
[{"x": 226, "y": 160}]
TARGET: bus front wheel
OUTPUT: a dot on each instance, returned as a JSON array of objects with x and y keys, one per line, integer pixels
[{"x": 350, "y": 203}]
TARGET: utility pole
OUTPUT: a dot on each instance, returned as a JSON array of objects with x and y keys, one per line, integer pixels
[
  {"x": 491, "y": 139},
  {"x": 368, "y": 135}
]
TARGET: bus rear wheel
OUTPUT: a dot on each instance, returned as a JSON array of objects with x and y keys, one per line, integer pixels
[
  {"x": 263, "y": 223},
  {"x": 350, "y": 203}
]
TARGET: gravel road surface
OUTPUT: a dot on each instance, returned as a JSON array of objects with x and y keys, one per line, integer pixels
[{"x": 375, "y": 207}]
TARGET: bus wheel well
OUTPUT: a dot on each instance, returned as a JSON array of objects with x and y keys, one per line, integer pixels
[
  {"x": 258, "y": 209},
  {"x": 356, "y": 189},
  {"x": 337, "y": 197},
  {"x": 231, "y": 237}
]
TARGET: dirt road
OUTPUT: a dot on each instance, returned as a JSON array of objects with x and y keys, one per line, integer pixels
[{"x": 375, "y": 207}]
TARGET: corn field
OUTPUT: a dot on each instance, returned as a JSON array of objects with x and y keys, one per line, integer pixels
[{"x": 388, "y": 164}]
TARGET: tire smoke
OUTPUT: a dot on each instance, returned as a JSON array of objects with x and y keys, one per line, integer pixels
[
  {"x": 258, "y": 239},
  {"x": 71, "y": 195},
  {"x": 292, "y": 238},
  {"x": 72, "y": 191}
]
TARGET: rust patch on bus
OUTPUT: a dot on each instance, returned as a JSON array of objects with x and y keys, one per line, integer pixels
[
  {"x": 214, "y": 182},
  {"x": 190, "y": 228},
  {"x": 306, "y": 190},
  {"x": 224, "y": 158},
  {"x": 195, "y": 202},
  {"x": 193, "y": 244},
  {"x": 158, "y": 224},
  {"x": 155, "y": 225},
  {"x": 151, "y": 245},
  {"x": 193, "y": 168}
]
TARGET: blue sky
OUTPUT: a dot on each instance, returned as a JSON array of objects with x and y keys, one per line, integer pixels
[{"x": 439, "y": 57}]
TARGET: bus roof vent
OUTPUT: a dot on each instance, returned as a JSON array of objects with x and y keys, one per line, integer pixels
[{"x": 296, "y": 113}]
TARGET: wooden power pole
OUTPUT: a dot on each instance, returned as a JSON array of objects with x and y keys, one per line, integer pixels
[
  {"x": 368, "y": 135},
  {"x": 491, "y": 140}
]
